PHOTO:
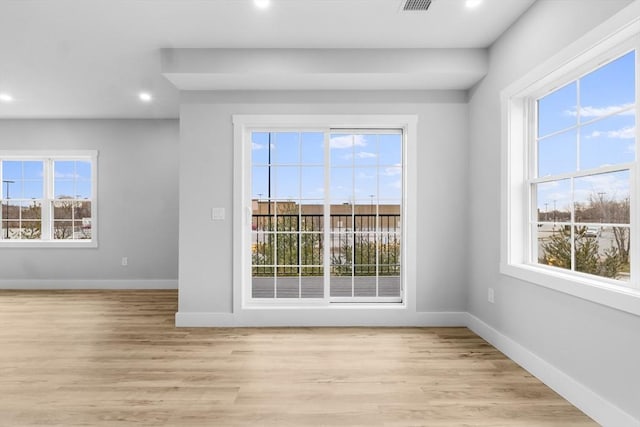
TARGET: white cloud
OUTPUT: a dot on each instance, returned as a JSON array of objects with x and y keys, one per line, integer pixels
[
  {"x": 362, "y": 175},
  {"x": 624, "y": 133},
  {"x": 347, "y": 141},
  {"x": 59, "y": 175},
  {"x": 360, "y": 155},
  {"x": 393, "y": 170},
  {"x": 601, "y": 111},
  {"x": 366, "y": 155}
]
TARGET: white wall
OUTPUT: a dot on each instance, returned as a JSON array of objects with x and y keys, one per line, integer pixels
[
  {"x": 206, "y": 171},
  {"x": 597, "y": 346},
  {"x": 137, "y": 205}
]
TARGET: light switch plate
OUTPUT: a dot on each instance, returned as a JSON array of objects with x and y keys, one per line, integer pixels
[{"x": 217, "y": 214}]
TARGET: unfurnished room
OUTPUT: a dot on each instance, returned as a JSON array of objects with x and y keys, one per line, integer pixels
[{"x": 319, "y": 212}]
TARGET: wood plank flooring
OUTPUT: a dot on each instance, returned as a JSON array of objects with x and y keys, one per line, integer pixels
[{"x": 114, "y": 358}]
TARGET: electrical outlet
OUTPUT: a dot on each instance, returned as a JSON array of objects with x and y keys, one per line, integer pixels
[
  {"x": 125, "y": 261},
  {"x": 491, "y": 296}
]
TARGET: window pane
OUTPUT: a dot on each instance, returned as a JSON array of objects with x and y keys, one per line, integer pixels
[
  {"x": 64, "y": 170},
  {"x": 287, "y": 219},
  {"x": 262, "y": 249},
  {"x": 63, "y": 210},
  {"x": 365, "y": 219},
  {"x": 389, "y": 217},
  {"x": 32, "y": 170},
  {"x": 603, "y": 198},
  {"x": 312, "y": 148},
  {"x": 389, "y": 254},
  {"x": 31, "y": 210},
  {"x": 83, "y": 189},
  {"x": 342, "y": 184},
  {"x": 81, "y": 230},
  {"x": 312, "y": 183},
  {"x": 364, "y": 252},
  {"x": 364, "y": 284},
  {"x": 557, "y": 111},
  {"x": 390, "y": 183},
  {"x": 287, "y": 185},
  {"x": 341, "y": 282},
  {"x": 287, "y": 251},
  {"x": 554, "y": 245},
  {"x": 63, "y": 189},
  {"x": 365, "y": 183},
  {"x": 11, "y": 210},
  {"x": 263, "y": 283},
  {"x": 342, "y": 148},
  {"x": 286, "y": 147},
  {"x": 557, "y": 154},
  {"x": 11, "y": 171},
  {"x": 608, "y": 89},
  {"x": 260, "y": 148},
  {"x": 554, "y": 200},
  {"x": 609, "y": 141},
  {"x": 32, "y": 190},
  {"x": 390, "y": 149},
  {"x": 287, "y": 286},
  {"x": 260, "y": 183},
  {"x": 366, "y": 153},
  {"x": 63, "y": 230},
  {"x": 341, "y": 253},
  {"x": 603, "y": 251},
  {"x": 312, "y": 218},
  {"x": 263, "y": 216},
  {"x": 83, "y": 170},
  {"x": 31, "y": 230},
  {"x": 312, "y": 282},
  {"x": 82, "y": 211},
  {"x": 10, "y": 230},
  {"x": 389, "y": 281},
  {"x": 341, "y": 217},
  {"x": 312, "y": 249}
]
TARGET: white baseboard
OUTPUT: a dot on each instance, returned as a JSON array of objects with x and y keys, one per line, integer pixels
[
  {"x": 589, "y": 402},
  {"x": 87, "y": 284},
  {"x": 320, "y": 317}
]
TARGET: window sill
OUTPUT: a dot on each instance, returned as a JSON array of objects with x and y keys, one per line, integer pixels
[
  {"x": 324, "y": 306},
  {"x": 618, "y": 297},
  {"x": 23, "y": 244}
]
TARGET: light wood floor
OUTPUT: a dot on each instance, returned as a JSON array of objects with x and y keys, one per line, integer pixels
[{"x": 114, "y": 358}]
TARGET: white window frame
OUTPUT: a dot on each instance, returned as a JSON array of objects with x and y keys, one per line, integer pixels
[
  {"x": 48, "y": 157},
  {"x": 244, "y": 125},
  {"x": 600, "y": 46}
]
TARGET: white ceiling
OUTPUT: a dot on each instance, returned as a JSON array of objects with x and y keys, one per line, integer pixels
[{"x": 90, "y": 58}]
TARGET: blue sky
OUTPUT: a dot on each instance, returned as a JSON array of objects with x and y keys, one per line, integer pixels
[
  {"x": 362, "y": 166},
  {"x": 71, "y": 179},
  {"x": 601, "y": 103}
]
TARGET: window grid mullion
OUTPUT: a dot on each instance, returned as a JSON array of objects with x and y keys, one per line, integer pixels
[{"x": 327, "y": 235}]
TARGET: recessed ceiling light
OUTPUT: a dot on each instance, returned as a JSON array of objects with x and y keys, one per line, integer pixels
[
  {"x": 261, "y": 4},
  {"x": 5, "y": 97},
  {"x": 471, "y": 4},
  {"x": 145, "y": 97}
]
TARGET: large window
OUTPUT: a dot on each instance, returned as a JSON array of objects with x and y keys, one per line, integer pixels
[
  {"x": 327, "y": 214},
  {"x": 48, "y": 198},
  {"x": 570, "y": 182},
  {"x": 325, "y": 205},
  {"x": 584, "y": 153}
]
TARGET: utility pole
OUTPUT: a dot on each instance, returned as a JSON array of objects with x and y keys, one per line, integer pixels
[{"x": 7, "y": 183}]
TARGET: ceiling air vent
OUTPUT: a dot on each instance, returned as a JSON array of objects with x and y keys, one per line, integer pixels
[{"x": 415, "y": 5}]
